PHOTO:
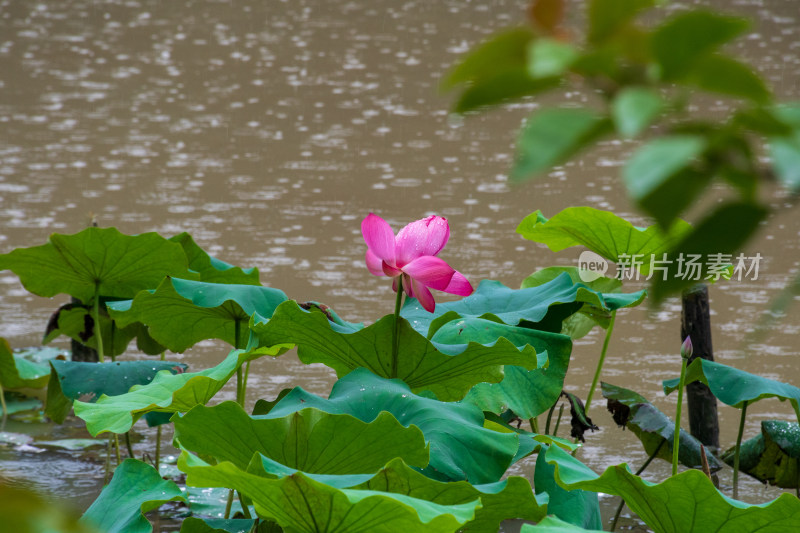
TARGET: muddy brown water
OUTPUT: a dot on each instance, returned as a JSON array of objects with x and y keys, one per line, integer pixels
[{"x": 268, "y": 130}]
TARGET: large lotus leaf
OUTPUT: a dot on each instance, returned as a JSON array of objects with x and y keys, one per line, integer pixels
[
  {"x": 101, "y": 259},
  {"x": 447, "y": 371},
  {"x": 211, "y": 269},
  {"x": 77, "y": 323},
  {"x": 602, "y": 232},
  {"x": 655, "y": 429},
  {"x": 685, "y": 503},
  {"x": 135, "y": 489},
  {"x": 19, "y": 372},
  {"x": 73, "y": 380},
  {"x": 579, "y": 324},
  {"x": 734, "y": 387},
  {"x": 578, "y": 507},
  {"x": 216, "y": 525},
  {"x": 771, "y": 457},
  {"x": 301, "y": 504},
  {"x": 527, "y": 393},
  {"x": 461, "y": 448},
  {"x": 529, "y": 306},
  {"x": 552, "y": 524},
  {"x": 166, "y": 393},
  {"x": 309, "y": 440},
  {"x": 181, "y": 313},
  {"x": 502, "y": 500}
]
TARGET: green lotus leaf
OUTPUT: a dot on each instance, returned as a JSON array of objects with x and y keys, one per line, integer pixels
[
  {"x": 216, "y": 525},
  {"x": 461, "y": 448},
  {"x": 309, "y": 440},
  {"x": 71, "y": 444},
  {"x": 527, "y": 393},
  {"x": 73, "y": 380},
  {"x": 771, "y": 457},
  {"x": 166, "y": 393},
  {"x": 654, "y": 429},
  {"x": 578, "y": 507},
  {"x": 135, "y": 489},
  {"x": 685, "y": 503},
  {"x": 302, "y": 504},
  {"x": 580, "y": 226},
  {"x": 579, "y": 324},
  {"x": 211, "y": 269},
  {"x": 101, "y": 260},
  {"x": 552, "y": 524},
  {"x": 181, "y": 313},
  {"x": 502, "y": 500},
  {"x": 18, "y": 371},
  {"x": 448, "y": 371},
  {"x": 77, "y": 323},
  {"x": 16, "y": 403},
  {"x": 531, "y": 307},
  {"x": 734, "y": 387}
]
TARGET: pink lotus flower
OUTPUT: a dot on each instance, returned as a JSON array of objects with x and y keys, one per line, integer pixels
[{"x": 412, "y": 255}]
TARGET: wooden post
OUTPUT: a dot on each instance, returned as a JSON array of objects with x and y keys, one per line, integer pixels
[{"x": 696, "y": 323}]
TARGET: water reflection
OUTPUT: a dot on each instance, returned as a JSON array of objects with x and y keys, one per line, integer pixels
[{"x": 269, "y": 129}]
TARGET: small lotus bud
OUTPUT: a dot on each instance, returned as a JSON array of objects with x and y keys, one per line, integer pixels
[{"x": 686, "y": 348}]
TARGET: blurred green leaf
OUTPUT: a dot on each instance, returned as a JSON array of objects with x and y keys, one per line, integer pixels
[
  {"x": 549, "y": 57},
  {"x": 723, "y": 231},
  {"x": 684, "y": 39},
  {"x": 722, "y": 74},
  {"x": 216, "y": 525},
  {"x": 659, "y": 178},
  {"x": 503, "y": 52},
  {"x": 634, "y": 109},
  {"x": 24, "y": 511},
  {"x": 606, "y": 17},
  {"x": 552, "y": 524},
  {"x": 785, "y": 152},
  {"x": 551, "y": 136},
  {"x": 505, "y": 86}
]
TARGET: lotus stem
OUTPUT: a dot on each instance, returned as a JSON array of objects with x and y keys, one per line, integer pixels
[
  {"x": 534, "y": 422},
  {"x": 111, "y": 342},
  {"x": 158, "y": 450},
  {"x": 602, "y": 360},
  {"x": 108, "y": 461},
  {"x": 245, "y": 508},
  {"x": 128, "y": 444},
  {"x": 116, "y": 449},
  {"x": 638, "y": 472},
  {"x": 396, "y": 330},
  {"x": 558, "y": 420},
  {"x": 676, "y": 439},
  {"x": 229, "y": 505},
  {"x": 96, "y": 312},
  {"x": 239, "y": 377},
  {"x": 4, "y": 407},
  {"x": 737, "y": 451}
]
